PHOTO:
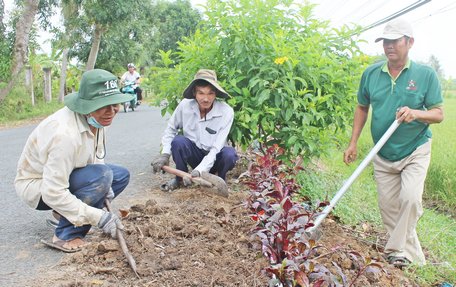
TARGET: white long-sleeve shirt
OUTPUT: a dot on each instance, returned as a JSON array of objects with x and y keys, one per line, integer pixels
[
  {"x": 58, "y": 145},
  {"x": 209, "y": 133},
  {"x": 127, "y": 76}
]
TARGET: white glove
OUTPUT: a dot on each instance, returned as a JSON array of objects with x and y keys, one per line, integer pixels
[
  {"x": 109, "y": 223},
  {"x": 159, "y": 161},
  {"x": 187, "y": 181}
]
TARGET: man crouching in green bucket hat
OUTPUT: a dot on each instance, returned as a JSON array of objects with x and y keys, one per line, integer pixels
[{"x": 62, "y": 165}]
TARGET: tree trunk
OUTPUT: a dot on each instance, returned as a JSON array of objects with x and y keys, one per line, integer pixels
[
  {"x": 47, "y": 85},
  {"x": 29, "y": 83},
  {"x": 63, "y": 74},
  {"x": 96, "y": 40},
  {"x": 20, "y": 49},
  {"x": 2, "y": 15}
]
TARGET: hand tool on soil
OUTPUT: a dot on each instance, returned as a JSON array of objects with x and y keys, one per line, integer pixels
[
  {"x": 123, "y": 244},
  {"x": 311, "y": 232},
  {"x": 206, "y": 180}
]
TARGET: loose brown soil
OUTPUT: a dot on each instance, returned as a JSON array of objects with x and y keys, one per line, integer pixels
[{"x": 192, "y": 237}]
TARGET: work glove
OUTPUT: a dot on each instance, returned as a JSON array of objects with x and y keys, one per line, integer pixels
[
  {"x": 110, "y": 196},
  {"x": 109, "y": 223},
  {"x": 159, "y": 161},
  {"x": 187, "y": 181}
]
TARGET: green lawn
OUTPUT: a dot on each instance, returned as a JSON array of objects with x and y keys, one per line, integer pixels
[{"x": 441, "y": 180}]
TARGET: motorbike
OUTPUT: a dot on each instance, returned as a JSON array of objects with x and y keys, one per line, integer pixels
[{"x": 128, "y": 88}]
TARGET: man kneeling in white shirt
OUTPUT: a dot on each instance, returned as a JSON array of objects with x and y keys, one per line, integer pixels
[{"x": 205, "y": 123}]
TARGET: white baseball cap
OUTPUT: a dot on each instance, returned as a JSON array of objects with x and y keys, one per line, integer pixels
[{"x": 396, "y": 29}]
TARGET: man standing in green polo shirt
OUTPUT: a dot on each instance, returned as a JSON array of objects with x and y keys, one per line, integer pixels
[{"x": 409, "y": 92}]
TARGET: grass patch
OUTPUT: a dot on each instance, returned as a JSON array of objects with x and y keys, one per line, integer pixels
[
  {"x": 441, "y": 178},
  {"x": 17, "y": 107},
  {"x": 449, "y": 94},
  {"x": 437, "y": 233}
]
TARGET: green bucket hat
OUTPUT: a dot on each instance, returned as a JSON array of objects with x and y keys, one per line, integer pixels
[
  {"x": 209, "y": 76},
  {"x": 98, "y": 88}
]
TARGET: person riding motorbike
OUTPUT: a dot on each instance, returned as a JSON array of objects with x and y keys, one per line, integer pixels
[
  {"x": 134, "y": 77},
  {"x": 128, "y": 88}
]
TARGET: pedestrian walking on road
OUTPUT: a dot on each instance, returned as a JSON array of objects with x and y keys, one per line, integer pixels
[
  {"x": 62, "y": 164},
  {"x": 403, "y": 90}
]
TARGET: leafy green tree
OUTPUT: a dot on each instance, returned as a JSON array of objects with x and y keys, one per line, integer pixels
[
  {"x": 104, "y": 15},
  {"x": 19, "y": 53},
  {"x": 141, "y": 33},
  {"x": 2, "y": 13},
  {"x": 172, "y": 21},
  {"x": 5, "y": 55},
  {"x": 292, "y": 78},
  {"x": 19, "y": 42}
]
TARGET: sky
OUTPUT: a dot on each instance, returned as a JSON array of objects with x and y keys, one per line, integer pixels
[
  {"x": 433, "y": 23},
  {"x": 433, "y": 26}
]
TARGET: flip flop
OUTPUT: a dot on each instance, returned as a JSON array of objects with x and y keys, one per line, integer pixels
[
  {"x": 56, "y": 215},
  {"x": 52, "y": 223},
  {"x": 59, "y": 245},
  {"x": 398, "y": 261}
]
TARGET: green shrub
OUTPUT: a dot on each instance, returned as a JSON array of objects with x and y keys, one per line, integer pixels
[{"x": 291, "y": 77}]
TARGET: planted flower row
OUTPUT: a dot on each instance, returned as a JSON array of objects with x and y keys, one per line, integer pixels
[{"x": 281, "y": 225}]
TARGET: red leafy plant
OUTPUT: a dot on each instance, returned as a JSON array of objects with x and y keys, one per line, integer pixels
[{"x": 281, "y": 225}]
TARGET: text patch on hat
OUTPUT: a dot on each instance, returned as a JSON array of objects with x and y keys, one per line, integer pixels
[{"x": 111, "y": 88}]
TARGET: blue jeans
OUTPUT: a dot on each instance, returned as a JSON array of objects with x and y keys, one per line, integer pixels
[
  {"x": 90, "y": 184},
  {"x": 186, "y": 152}
]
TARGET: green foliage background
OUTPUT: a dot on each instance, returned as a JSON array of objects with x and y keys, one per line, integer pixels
[
  {"x": 135, "y": 33},
  {"x": 292, "y": 78}
]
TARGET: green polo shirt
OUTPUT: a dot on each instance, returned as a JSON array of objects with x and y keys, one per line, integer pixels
[{"x": 417, "y": 87}]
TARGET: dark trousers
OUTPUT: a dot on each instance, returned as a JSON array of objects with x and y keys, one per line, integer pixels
[
  {"x": 185, "y": 152},
  {"x": 138, "y": 92},
  {"x": 90, "y": 184}
]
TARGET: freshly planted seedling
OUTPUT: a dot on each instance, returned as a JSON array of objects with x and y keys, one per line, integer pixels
[{"x": 281, "y": 226}]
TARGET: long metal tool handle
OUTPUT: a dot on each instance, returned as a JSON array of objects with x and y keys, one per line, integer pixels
[
  {"x": 355, "y": 174},
  {"x": 122, "y": 243}
]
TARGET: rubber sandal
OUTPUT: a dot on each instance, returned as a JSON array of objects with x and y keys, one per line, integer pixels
[
  {"x": 56, "y": 215},
  {"x": 52, "y": 223},
  {"x": 170, "y": 185},
  {"x": 398, "y": 261},
  {"x": 59, "y": 245}
]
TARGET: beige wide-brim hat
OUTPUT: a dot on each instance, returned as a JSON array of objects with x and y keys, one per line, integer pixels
[
  {"x": 396, "y": 29},
  {"x": 98, "y": 88},
  {"x": 209, "y": 76}
]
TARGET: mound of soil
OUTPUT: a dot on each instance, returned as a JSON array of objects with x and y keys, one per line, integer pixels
[{"x": 191, "y": 237}]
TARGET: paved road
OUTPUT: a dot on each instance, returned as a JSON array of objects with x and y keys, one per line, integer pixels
[{"x": 132, "y": 140}]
